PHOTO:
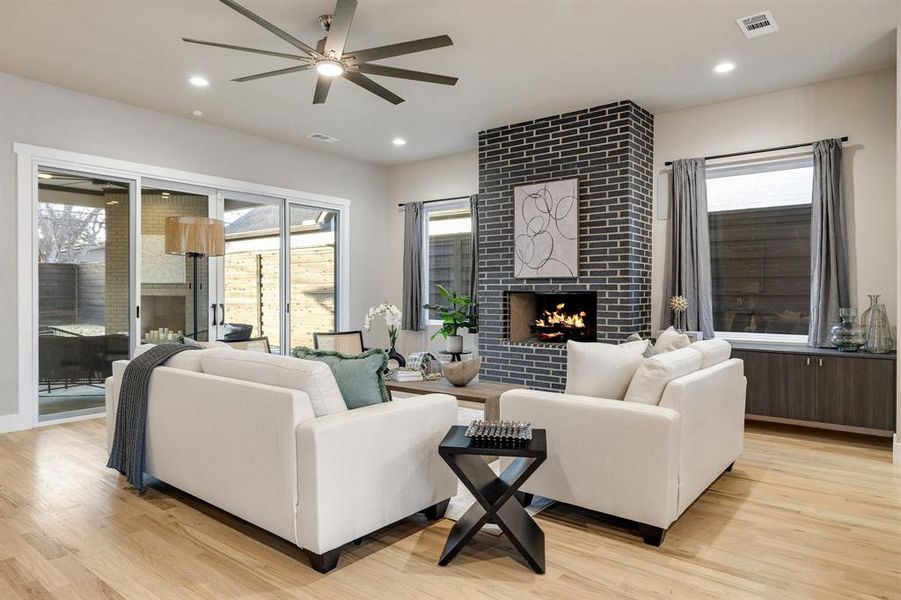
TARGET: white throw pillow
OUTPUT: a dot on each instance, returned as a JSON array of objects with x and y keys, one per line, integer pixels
[
  {"x": 671, "y": 340},
  {"x": 713, "y": 352},
  {"x": 314, "y": 378},
  {"x": 188, "y": 360},
  {"x": 656, "y": 372},
  {"x": 602, "y": 370}
]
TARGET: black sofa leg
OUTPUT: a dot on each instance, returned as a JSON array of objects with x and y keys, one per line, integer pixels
[
  {"x": 651, "y": 535},
  {"x": 324, "y": 562},
  {"x": 436, "y": 511},
  {"x": 729, "y": 468}
]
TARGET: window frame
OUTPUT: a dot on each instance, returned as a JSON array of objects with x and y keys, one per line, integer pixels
[
  {"x": 427, "y": 209},
  {"x": 746, "y": 168}
]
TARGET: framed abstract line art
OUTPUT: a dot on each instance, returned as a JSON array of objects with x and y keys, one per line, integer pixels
[{"x": 546, "y": 229}]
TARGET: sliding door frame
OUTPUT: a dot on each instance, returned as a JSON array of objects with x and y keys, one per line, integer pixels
[{"x": 31, "y": 157}]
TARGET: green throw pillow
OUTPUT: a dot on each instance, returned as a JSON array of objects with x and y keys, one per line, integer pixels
[{"x": 360, "y": 377}]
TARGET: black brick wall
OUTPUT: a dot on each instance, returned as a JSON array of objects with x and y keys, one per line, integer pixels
[{"x": 610, "y": 150}]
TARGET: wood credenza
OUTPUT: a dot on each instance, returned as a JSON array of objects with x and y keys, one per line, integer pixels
[{"x": 852, "y": 391}]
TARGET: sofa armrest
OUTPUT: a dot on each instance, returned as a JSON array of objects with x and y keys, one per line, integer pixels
[
  {"x": 368, "y": 467},
  {"x": 712, "y": 405},
  {"x": 611, "y": 456}
]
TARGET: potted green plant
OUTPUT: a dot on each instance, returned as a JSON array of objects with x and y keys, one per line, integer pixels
[{"x": 454, "y": 315}]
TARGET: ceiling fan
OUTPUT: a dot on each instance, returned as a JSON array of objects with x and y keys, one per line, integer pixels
[{"x": 330, "y": 60}]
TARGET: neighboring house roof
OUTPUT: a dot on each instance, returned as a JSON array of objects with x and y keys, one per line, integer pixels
[{"x": 255, "y": 223}]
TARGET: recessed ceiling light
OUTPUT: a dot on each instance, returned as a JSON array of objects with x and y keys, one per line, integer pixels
[
  {"x": 329, "y": 67},
  {"x": 197, "y": 113},
  {"x": 399, "y": 141},
  {"x": 45, "y": 176},
  {"x": 198, "y": 81},
  {"x": 724, "y": 67}
]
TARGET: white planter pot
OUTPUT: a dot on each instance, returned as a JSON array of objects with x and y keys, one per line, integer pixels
[{"x": 455, "y": 343}]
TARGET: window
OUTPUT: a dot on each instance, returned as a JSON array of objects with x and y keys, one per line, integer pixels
[
  {"x": 448, "y": 251},
  {"x": 760, "y": 247}
]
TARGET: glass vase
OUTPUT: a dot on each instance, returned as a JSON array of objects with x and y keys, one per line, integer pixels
[
  {"x": 847, "y": 335},
  {"x": 879, "y": 331}
]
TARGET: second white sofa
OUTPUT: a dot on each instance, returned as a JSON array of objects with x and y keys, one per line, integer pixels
[{"x": 647, "y": 454}]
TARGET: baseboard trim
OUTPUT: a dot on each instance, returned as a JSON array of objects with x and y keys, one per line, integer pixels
[
  {"x": 896, "y": 449},
  {"x": 14, "y": 422},
  {"x": 819, "y": 425}
]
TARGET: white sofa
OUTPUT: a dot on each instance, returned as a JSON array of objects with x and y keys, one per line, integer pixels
[
  {"x": 643, "y": 462},
  {"x": 259, "y": 452}
]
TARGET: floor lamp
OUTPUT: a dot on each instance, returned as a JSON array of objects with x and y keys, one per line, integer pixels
[{"x": 195, "y": 237}]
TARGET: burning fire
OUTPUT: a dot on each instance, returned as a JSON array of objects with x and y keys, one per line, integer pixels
[{"x": 560, "y": 319}]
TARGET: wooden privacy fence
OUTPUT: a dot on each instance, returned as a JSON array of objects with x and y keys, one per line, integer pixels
[
  {"x": 252, "y": 292},
  {"x": 70, "y": 293}
]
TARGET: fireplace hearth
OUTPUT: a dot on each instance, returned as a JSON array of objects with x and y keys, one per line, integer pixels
[{"x": 553, "y": 318}]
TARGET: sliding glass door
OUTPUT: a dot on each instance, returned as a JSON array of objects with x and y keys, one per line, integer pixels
[
  {"x": 313, "y": 256},
  {"x": 84, "y": 278},
  {"x": 251, "y": 287},
  {"x": 170, "y": 296}
]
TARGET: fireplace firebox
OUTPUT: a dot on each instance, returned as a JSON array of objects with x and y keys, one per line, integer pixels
[{"x": 553, "y": 318}]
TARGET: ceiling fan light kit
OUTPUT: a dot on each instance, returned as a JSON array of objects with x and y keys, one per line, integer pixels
[{"x": 330, "y": 60}]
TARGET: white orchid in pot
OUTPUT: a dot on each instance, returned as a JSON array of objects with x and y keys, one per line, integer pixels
[{"x": 392, "y": 316}]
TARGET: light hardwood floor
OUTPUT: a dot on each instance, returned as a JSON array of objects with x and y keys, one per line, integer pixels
[{"x": 802, "y": 515}]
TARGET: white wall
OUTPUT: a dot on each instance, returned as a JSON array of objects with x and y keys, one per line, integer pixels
[
  {"x": 46, "y": 115},
  {"x": 455, "y": 175},
  {"x": 862, "y": 107},
  {"x": 896, "y": 453}
]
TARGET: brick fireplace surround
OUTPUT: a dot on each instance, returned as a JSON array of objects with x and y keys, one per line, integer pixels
[{"x": 610, "y": 150}]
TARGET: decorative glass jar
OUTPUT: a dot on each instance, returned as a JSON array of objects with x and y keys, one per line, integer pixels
[
  {"x": 878, "y": 329},
  {"x": 847, "y": 335}
]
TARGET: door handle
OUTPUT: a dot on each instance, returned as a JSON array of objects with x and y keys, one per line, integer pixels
[
  {"x": 808, "y": 361},
  {"x": 222, "y": 314},
  {"x": 821, "y": 362},
  {"x": 213, "y": 306}
]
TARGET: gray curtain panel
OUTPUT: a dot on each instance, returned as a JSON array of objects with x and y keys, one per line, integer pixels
[
  {"x": 412, "y": 308},
  {"x": 688, "y": 263},
  {"x": 474, "y": 258},
  {"x": 829, "y": 281}
]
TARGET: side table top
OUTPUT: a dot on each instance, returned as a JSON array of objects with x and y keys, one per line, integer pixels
[{"x": 456, "y": 442}]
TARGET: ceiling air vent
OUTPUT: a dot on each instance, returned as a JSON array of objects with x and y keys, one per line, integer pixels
[
  {"x": 321, "y": 137},
  {"x": 757, "y": 25}
]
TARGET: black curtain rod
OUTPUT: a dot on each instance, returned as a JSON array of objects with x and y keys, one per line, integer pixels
[
  {"x": 733, "y": 154},
  {"x": 402, "y": 204}
]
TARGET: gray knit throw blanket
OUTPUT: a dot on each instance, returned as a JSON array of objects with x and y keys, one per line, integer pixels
[{"x": 127, "y": 453}]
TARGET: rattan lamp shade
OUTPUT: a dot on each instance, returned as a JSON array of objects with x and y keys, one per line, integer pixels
[{"x": 195, "y": 235}]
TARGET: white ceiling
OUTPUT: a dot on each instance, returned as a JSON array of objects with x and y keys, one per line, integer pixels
[{"x": 515, "y": 60}]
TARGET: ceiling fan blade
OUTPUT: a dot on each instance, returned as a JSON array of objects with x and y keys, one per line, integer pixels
[
  {"x": 274, "y": 73},
  {"x": 369, "y": 85},
  {"x": 320, "y": 46},
  {"x": 405, "y": 74},
  {"x": 340, "y": 27},
  {"x": 270, "y": 27},
  {"x": 243, "y": 49},
  {"x": 323, "y": 84},
  {"x": 370, "y": 54}
]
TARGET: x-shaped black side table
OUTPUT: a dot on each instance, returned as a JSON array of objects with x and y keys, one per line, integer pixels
[{"x": 495, "y": 500}]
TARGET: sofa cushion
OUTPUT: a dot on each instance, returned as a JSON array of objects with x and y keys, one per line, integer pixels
[
  {"x": 313, "y": 378},
  {"x": 671, "y": 340},
  {"x": 713, "y": 352},
  {"x": 656, "y": 372},
  {"x": 360, "y": 376},
  {"x": 602, "y": 370}
]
